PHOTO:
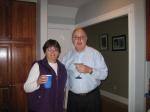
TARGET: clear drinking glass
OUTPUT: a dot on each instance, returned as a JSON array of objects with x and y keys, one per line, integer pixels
[{"x": 79, "y": 76}]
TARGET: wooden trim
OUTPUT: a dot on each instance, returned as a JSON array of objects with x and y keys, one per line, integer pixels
[{"x": 147, "y": 30}]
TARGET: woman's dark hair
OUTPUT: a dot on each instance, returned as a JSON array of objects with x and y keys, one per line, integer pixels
[{"x": 51, "y": 43}]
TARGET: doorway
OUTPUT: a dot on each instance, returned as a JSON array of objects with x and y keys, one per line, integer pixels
[
  {"x": 129, "y": 11},
  {"x": 101, "y": 36}
]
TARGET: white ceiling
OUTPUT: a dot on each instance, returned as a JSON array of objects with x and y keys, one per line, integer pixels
[
  {"x": 65, "y": 3},
  {"x": 69, "y": 3}
]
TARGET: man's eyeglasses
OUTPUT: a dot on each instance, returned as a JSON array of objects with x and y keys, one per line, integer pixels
[{"x": 79, "y": 38}]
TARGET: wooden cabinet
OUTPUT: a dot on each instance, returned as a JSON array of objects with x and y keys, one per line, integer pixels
[
  {"x": 17, "y": 52},
  {"x": 5, "y": 18},
  {"x": 148, "y": 30}
]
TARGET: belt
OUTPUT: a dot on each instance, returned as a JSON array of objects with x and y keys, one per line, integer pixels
[{"x": 84, "y": 94}]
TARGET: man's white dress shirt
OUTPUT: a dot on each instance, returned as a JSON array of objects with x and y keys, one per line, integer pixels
[{"x": 90, "y": 57}]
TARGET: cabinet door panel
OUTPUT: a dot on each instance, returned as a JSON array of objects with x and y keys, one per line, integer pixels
[
  {"x": 22, "y": 58},
  {"x": 5, "y": 18},
  {"x": 23, "y": 21},
  {"x": 4, "y": 99},
  {"x": 4, "y": 77},
  {"x": 5, "y": 64}
]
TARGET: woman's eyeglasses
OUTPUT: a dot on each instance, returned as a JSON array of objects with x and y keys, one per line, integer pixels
[{"x": 52, "y": 49}]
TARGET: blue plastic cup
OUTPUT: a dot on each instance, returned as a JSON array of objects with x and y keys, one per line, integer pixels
[{"x": 48, "y": 84}]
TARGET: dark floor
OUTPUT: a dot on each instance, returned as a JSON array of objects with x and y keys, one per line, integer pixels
[{"x": 109, "y": 105}]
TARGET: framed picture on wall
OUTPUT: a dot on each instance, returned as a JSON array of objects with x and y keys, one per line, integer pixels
[
  {"x": 119, "y": 43},
  {"x": 104, "y": 42}
]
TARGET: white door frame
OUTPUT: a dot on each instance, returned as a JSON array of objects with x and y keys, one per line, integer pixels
[{"x": 127, "y": 10}]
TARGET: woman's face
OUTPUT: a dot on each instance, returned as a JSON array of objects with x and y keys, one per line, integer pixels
[
  {"x": 79, "y": 39},
  {"x": 52, "y": 54}
]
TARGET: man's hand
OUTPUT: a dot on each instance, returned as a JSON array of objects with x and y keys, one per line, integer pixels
[{"x": 83, "y": 68}]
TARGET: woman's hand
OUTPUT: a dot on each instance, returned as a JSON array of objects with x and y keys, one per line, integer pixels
[{"x": 42, "y": 79}]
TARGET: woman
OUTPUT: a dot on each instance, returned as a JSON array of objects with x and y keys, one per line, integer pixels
[{"x": 39, "y": 98}]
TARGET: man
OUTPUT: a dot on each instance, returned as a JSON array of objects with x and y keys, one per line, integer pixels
[{"x": 86, "y": 68}]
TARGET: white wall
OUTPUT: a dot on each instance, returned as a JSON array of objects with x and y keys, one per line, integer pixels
[
  {"x": 99, "y": 7},
  {"x": 46, "y": 30},
  {"x": 140, "y": 51},
  {"x": 63, "y": 34},
  {"x": 42, "y": 26},
  {"x": 61, "y": 15}
]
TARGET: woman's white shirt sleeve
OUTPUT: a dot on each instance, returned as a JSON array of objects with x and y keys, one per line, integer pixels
[{"x": 31, "y": 82}]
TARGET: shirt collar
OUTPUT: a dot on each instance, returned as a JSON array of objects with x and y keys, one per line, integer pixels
[{"x": 76, "y": 52}]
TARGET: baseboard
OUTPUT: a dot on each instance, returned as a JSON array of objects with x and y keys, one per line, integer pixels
[{"x": 114, "y": 97}]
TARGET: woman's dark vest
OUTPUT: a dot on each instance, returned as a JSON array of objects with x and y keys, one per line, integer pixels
[{"x": 49, "y": 100}]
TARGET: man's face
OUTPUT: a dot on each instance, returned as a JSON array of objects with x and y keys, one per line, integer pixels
[{"x": 79, "y": 39}]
